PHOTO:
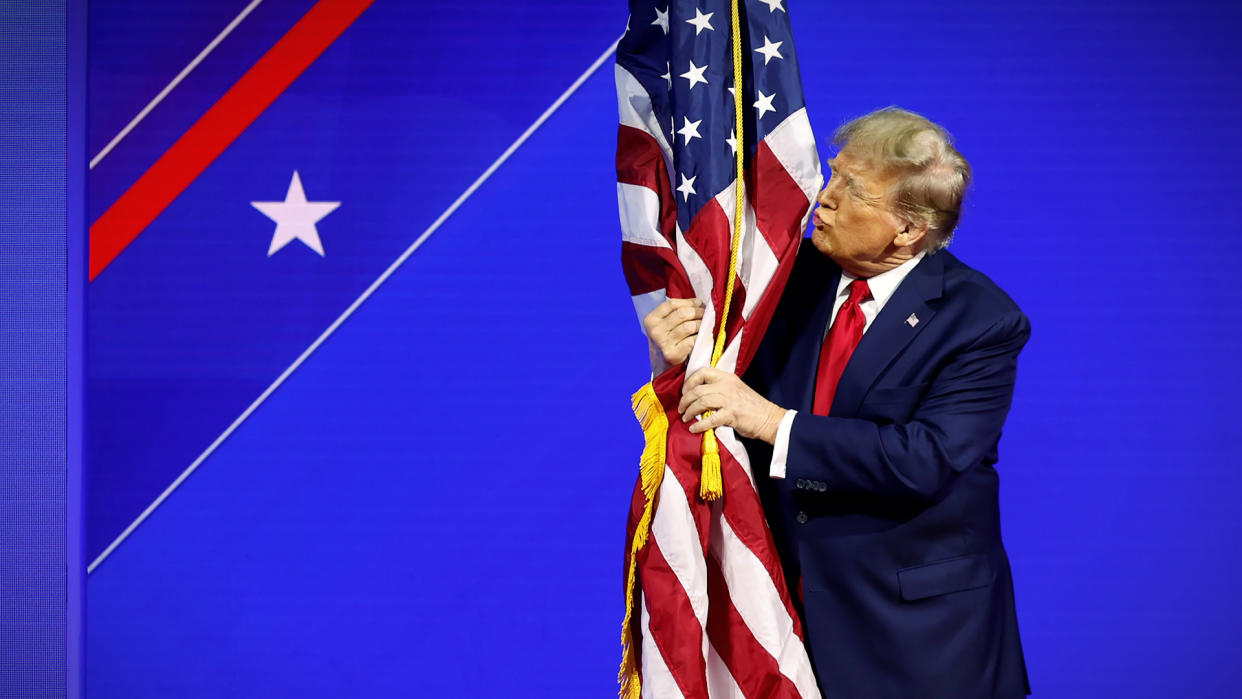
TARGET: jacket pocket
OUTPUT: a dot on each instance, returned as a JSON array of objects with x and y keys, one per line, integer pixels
[{"x": 942, "y": 577}]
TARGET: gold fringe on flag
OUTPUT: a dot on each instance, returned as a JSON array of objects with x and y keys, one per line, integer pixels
[
  {"x": 650, "y": 412},
  {"x": 654, "y": 422}
]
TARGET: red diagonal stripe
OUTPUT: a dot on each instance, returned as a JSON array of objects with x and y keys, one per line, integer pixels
[
  {"x": 674, "y": 627},
  {"x": 684, "y": 459},
  {"x": 216, "y": 130},
  {"x": 641, "y": 162},
  {"x": 744, "y": 513},
  {"x": 711, "y": 236},
  {"x": 779, "y": 204},
  {"x": 761, "y": 314},
  {"x": 648, "y": 268},
  {"x": 778, "y": 201},
  {"x": 754, "y": 670}
]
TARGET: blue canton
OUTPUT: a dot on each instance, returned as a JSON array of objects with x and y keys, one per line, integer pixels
[{"x": 680, "y": 53}]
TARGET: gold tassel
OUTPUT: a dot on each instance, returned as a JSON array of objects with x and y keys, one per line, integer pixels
[
  {"x": 650, "y": 414},
  {"x": 710, "y": 485}
]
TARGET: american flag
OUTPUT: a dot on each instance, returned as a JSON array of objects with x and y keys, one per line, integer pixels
[{"x": 711, "y": 614}]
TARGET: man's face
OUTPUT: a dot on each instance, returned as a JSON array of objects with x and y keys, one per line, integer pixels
[{"x": 854, "y": 223}]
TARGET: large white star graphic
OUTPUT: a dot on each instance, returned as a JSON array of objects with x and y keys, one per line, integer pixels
[
  {"x": 295, "y": 217},
  {"x": 769, "y": 50},
  {"x": 690, "y": 130},
  {"x": 764, "y": 103},
  {"x": 661, "y": 19},
  {"x": 701, "y": 21},
  {"x": 687, "y": 187},
  {"x": 695, "y": 75}
]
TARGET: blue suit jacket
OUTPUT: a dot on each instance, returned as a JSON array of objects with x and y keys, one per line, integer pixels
[{"x": 888, "y": 512}]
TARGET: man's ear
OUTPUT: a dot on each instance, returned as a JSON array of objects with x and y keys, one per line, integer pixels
[{"x": 911, "y": 236}]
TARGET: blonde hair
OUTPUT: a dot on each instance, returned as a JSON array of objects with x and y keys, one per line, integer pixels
[{"x": 931, "y": 175}]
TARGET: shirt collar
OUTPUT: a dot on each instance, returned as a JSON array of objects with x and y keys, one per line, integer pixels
[{"x": 884, "y": 284}]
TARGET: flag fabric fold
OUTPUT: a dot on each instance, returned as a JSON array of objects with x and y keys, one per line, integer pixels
[{"x": 708, "y": 608}]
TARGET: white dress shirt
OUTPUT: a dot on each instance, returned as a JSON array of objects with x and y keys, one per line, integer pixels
[{"x": 882, "y": 287}]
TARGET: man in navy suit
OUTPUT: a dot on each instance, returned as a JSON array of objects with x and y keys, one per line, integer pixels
[{"x": 872, "y": 412}]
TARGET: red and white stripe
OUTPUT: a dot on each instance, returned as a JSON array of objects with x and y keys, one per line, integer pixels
[{"x": 715, "y": 615}]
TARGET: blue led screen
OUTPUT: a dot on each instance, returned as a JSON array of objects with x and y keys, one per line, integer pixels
[
  {"x": 34, "y": 327},
  {"x": 432, "y": 502}
]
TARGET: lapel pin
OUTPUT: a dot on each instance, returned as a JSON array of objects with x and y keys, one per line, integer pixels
[{"x": 912, "y": 321}]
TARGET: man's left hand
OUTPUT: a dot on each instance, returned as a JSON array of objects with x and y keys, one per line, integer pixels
[{"x": 732, "y": 403}]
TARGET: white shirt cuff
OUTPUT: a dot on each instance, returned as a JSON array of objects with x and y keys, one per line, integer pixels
[{"x": 780, "y": 448}]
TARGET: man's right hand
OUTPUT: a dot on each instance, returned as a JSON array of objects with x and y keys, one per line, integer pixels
[{"x": 672, "y": 326}]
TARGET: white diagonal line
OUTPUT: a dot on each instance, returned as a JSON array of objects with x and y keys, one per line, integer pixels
[
  {"x": 354, "y": 306},
  {"x": 175, "y": 81}
]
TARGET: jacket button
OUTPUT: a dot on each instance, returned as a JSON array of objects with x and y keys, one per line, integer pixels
[{"x": 801, "y": 517}]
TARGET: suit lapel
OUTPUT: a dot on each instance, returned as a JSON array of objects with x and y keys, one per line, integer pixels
[
  {"x": 889, "y": 333},
  {"x": 820, "y": 284}
]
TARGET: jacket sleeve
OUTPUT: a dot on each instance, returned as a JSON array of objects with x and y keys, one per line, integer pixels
[{"x": 955, "y": 425}]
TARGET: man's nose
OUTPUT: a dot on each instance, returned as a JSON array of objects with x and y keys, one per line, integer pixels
[{"x": 827, "y": 198}]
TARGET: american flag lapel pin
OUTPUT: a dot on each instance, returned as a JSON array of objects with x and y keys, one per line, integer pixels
[{"x": 912, "y": 321}]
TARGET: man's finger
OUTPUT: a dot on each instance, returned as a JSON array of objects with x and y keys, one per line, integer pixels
[
  {"x": 687, "y": 398},
  {"x": 700, "y": 405},
  {"x": 684, "y": 328},
  {"x": 684, "y": 405},
  {"x": 661, "y": 311},
  {"x": 686, "y": 344},
  {"x": 687, "y": 313},
  {"x": 705, "y": 375},
  {"x": 669, "y": 306},
  {"x": 717, "y": 419},
  {"x": 669, "y": 313},
  {"x": 679, "y": 350},
  {"x": 697, "y": 378},
  {"x": 653, "y": 320}
]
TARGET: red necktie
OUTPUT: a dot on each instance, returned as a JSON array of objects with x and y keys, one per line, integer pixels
[{"x": 846, "y": 332}]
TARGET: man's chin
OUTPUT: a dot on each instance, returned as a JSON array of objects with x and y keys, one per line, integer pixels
[{"x": 821, "y": 241}]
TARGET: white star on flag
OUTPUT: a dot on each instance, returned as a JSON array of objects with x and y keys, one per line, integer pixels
[
  {"x": 732, "y": 140},
  {"x": 764, "y": 103},
  {"x": 295, "y": 217},
  {"x": 668, "y": 73},
  {"x": 695, "y": 75},
  {"x": 769, "y": 50},
  {"x": 690, "y": 130},
  {"x": 661, "y": 19},
  {"x": 773, "y": 5},
  {"x": 701, "y": 21},
  {"x": 687, "y": 187}
]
